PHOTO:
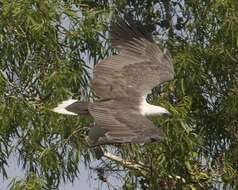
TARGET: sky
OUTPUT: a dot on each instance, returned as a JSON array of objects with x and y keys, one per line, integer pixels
[{"x": 85, "y": 181}]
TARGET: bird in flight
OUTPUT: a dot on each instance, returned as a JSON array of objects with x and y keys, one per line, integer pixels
[{"x": 122, "y": 83}]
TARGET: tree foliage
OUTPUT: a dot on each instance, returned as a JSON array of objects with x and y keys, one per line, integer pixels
[{"x": 47, "y": 52}]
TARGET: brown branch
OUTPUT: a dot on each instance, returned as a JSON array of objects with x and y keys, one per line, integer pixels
[{"x": 127, "y": 164}]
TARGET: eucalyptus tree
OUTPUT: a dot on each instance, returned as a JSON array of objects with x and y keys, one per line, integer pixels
[{"x": 48, "y": 49}]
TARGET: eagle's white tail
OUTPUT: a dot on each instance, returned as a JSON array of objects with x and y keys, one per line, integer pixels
[
  {"x": 61, "y": 108},
  {"x": 73, "y": 107}
]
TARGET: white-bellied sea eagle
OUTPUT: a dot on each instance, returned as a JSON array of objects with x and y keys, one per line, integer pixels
[{"x": 122, "y": 83}]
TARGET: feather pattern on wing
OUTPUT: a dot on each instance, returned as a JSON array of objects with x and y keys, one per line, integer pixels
[
  {"x": 140, "y": 62},
  {"x": 123, "y": 80},
  {"x": 123, "y": 124}
]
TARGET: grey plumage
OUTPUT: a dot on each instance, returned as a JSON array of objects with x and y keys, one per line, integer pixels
[
  {"x": 123, "y": 81},
  {"x": 123, "y": 123},
  {"x": 140, "y": 63}
]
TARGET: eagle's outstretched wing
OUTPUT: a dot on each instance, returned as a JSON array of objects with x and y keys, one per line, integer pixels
[
  {"x": 139, "y": 67},
  {"x": 122, "y": 81},
  {"x": 121, "y": 124}
]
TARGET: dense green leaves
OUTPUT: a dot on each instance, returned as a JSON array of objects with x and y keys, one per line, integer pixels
[
  {"x": 47, "y": 52},
  {"x": 44, "y": 49}
]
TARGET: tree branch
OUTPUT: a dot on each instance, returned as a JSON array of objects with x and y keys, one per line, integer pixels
[{"x": 128, "y": 164}]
